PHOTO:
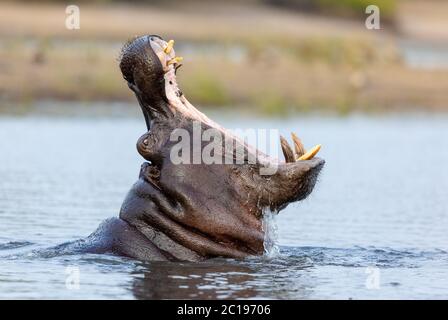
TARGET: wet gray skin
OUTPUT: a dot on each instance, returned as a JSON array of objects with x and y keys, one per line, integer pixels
[{"x": 193, "y": 211}]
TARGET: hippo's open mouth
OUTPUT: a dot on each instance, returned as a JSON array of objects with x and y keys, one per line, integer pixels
[{"x": 195, "y": 210}]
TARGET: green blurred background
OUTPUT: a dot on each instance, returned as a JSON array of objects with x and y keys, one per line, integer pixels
[{"x": 269, "y": 56}]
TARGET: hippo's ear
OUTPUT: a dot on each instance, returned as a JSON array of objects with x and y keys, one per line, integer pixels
[{"x": 149, "y": 146}]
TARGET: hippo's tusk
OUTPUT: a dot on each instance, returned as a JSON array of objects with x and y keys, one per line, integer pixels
[
  {"x": 174, "y": 60},
  {"x": 287, "y": 151},
  {"x": 298, "y": 145},
  {"x": 169, "y": 47},
  {"x": 310, "y": 154}
]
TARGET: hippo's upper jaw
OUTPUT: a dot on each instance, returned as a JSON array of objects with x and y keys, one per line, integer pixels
[{"x": 192, "y": 210}]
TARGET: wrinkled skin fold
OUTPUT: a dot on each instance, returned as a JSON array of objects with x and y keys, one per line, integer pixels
[{"x": 193, "y": 211}]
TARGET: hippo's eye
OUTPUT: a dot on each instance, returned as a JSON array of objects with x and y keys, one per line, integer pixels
[{"x": 145, "y": 142}]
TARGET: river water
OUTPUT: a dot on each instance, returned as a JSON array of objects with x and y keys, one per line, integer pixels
[{"x": 375, "y": 226}]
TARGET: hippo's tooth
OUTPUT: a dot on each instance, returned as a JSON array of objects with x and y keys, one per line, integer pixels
[
  {"x": 169, "y": 47},
  {"x": 287, "y": 151},
  {"x": 310, "y": 154},
  {"x": 174, "y": 60},
  {"x": 298, "y": 145}
]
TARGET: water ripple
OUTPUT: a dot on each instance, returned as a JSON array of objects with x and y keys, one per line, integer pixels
[{"x": 14, "y": 245}]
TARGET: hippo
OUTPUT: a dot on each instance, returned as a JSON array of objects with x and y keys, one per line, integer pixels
[{"x": 186, "y": 210}]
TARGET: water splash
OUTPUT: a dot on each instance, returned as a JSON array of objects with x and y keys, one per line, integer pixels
[{"x": 270, "y": 229}]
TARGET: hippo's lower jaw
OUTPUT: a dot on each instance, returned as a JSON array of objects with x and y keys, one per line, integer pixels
[{"x": 183, "y": 211}]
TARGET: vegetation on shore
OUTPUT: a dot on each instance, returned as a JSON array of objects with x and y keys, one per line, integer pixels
[{"x": 300, "y": 63}]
